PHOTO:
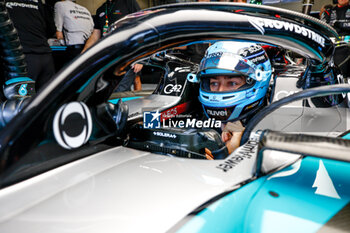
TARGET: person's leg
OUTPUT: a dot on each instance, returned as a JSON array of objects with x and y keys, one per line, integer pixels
[
  {"x": 33, "y": 65},
  {"x": 73, "y": 51},
  {"x": 40, "y": 68}
]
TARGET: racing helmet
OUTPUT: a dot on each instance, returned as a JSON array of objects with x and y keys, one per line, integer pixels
[{"x": 228, "y": 59}]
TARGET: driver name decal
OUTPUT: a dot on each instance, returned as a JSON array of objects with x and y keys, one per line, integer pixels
[
  {"x": 260, "y": 24},
  {"x": 247, "y": 151}
]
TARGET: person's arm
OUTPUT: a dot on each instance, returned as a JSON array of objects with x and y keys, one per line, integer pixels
[
  {"x": 137, "y": 67},
  {"x": 325, "y": 13},
  {"x": 60, "y": 38},
  {"x": 58, "y": 18},
  {"x": 59, "y": 35},
  {"x": 232, "y": 134},
  {"x": 137, "y": 83},
  {"x": 95, "y": 36},
  {"x": 232, "y": 140}
]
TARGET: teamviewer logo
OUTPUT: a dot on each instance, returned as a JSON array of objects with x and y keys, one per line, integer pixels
[{"x": 151, "y": 120}]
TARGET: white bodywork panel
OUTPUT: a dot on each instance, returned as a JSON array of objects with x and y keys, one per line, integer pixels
[
  {"x": 151, "y": 102},
  {"x": 121, "y": 190},
  {"x": 295, "y": 117}
]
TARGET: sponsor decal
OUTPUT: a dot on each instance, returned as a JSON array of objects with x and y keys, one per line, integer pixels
[
  {"x": 258, "y": 59},
  {"x": 247, "y": 151},
  {"x": 170, "y": 88},
  {"x": 347, "y": 14},
  {"x": 72, "y": 125},
  {"x": 23, "y": 5},
  {"x": 250, "y": 50},
  {"x": 182, "y": 69},
  {"x": 179, "y": 70},
  {"x": 23, "y": 90},
  {"x": 220, "y": 54},
  {"x": 323, "y": 183},
  {"x": 253, "y": 105},
  {"x": 347, "y": 24},
  {"x": 260, "y": 24},
  {"x": 134, "y": 114},
  {"x": 79, "y": 12},
  {"x": 215, "y": 113},
  {"x": 216, "y": 54},
  {"x": 295, "y": 168},
  {"x": 214, "y": 97},
  {"x": 81, "y": 17},
  {"x": 172, "y": 112},
  {"x": 164, "y": 135}
]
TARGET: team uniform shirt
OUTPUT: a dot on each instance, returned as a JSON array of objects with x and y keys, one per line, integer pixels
[
  {"x": 28, "y": 18},
  {"x": 74, "y": 21},
  {"x": 339, "y": 18},
  {"x": 113, "y": 11}
]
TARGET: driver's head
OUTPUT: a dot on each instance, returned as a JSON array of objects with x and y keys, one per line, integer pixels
[
  {"x": 343, "y": 3},
  {"x": 234, "y": 78}
]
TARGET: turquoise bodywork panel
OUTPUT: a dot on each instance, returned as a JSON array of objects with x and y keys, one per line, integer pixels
[{"x": 299, "y": 198}]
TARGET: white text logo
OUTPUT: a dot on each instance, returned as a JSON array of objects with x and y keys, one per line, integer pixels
[
  {"x": 170, "y": 88},
  {"x": 260, "y": 24}
]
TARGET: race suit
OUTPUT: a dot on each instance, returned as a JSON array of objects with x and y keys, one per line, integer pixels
[{"x": 339, "y": 18}]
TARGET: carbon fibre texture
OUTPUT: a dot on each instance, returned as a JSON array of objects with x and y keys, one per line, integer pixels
[{"x": 339, "y": 223}]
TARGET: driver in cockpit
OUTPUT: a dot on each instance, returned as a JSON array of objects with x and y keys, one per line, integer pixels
[{"x": 234, "y": 79}]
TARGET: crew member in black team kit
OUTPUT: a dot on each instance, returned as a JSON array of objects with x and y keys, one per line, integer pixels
[
  {"x": 108, "y": 13},
  {"x": 32, "y": 24},
  {"x": 338, "y": 17}
]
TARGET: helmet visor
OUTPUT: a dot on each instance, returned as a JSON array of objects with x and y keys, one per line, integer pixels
[{"x": 225, "y": 63}]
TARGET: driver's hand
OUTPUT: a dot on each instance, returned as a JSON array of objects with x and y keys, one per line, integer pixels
[
  {"x": 232, "y": 134},
  {"x": 137, "y": 68}
]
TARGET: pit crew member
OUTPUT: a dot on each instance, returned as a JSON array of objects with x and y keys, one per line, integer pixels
[{"x": 338, "y": 17}]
